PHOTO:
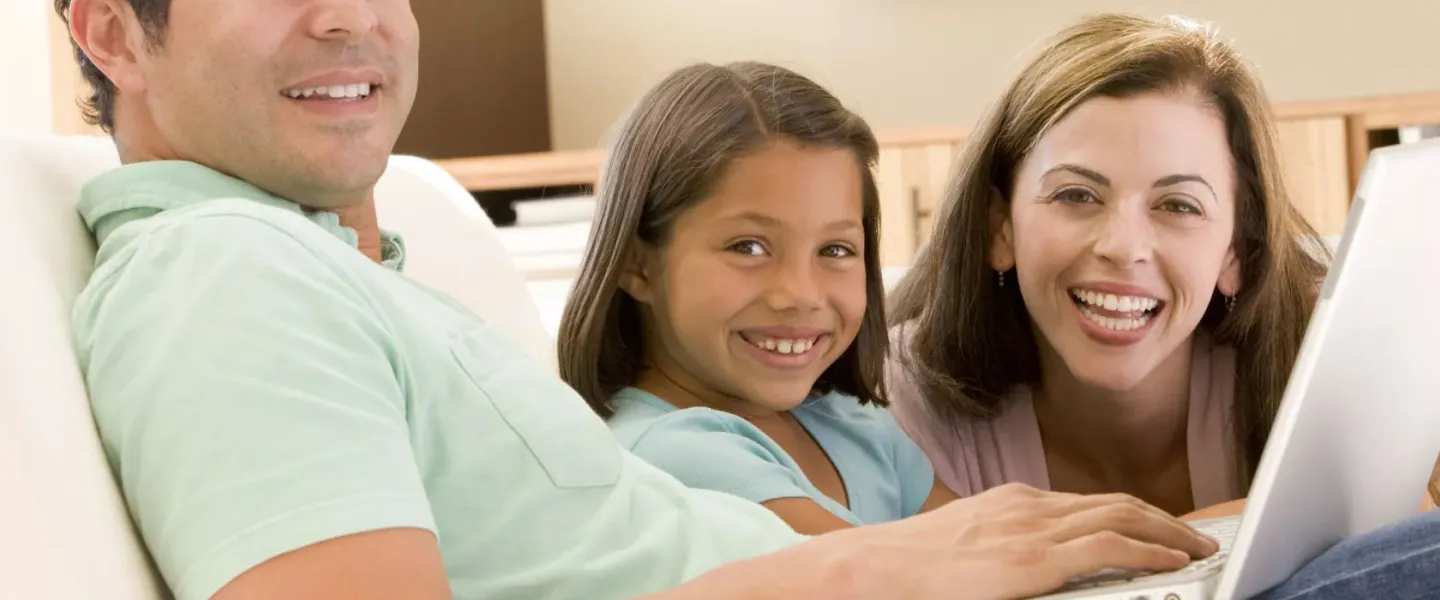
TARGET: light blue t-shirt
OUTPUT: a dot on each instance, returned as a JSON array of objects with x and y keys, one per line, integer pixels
[
  {"x": 886, "y": 475},
  {"x": 260, "y": 386}
]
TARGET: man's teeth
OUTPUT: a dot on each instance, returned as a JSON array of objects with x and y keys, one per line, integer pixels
[
  {"x": 1116, "y": 324},
  {"x": 1113, "y": 302},
  {"x": 783, "y": 346},
  {"x": 337, "y": 92}
]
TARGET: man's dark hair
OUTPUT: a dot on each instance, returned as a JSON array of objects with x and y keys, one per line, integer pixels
[{"x": 99, "y": 108}]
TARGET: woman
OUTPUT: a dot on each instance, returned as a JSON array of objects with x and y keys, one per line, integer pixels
[{"x": 1118, "y": 283}]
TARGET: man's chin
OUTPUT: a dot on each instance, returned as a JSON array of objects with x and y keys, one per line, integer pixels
[{"x": 337, "y": 181}]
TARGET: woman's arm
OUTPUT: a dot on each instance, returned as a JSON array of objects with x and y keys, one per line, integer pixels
[
  {"x": 1432, "y": 499},
  {"x": 1224, "y": 509}
]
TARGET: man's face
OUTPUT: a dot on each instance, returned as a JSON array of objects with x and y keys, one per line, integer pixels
[{"x": 304, "y": 98}]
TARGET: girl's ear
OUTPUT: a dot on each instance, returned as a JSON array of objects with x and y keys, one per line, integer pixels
[
  {"x": 635, "y": 274},
  {"x": 1002, "y": 242},
  {"x": 1229, "y": 283}
]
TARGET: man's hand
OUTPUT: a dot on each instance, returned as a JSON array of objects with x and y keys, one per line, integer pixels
[{"x": 1009, "y": 542}]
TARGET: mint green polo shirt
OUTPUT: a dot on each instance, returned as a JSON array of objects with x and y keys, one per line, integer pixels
[{"x": 260, "y": 386}]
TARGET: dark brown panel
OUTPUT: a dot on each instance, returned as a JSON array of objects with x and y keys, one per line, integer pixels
[{"x": 482, "y": 80}]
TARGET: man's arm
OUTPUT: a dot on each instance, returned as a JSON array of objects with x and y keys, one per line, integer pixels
[
  {"x": 1008, "y": 542},
  {"x": 245, "y": 395},
  {"x": 393, "y": 563}
]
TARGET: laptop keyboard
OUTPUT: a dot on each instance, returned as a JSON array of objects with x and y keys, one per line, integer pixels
[{"x": 1222, "y": 530}]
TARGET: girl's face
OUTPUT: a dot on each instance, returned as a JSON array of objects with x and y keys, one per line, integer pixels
[
  {"x": 1119, "y": 231},
  {"x": 761, "y": 286}
]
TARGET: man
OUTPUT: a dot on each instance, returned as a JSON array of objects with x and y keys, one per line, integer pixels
[{"x": 291, "y": 418}]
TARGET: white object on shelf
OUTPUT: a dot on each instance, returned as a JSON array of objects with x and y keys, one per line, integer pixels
[{"x": 549, "y": 211}]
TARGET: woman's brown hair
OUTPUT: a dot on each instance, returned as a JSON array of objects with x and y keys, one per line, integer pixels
[
  {"x": 667, "y": 156},
  {"x": 969, "y": 341}
]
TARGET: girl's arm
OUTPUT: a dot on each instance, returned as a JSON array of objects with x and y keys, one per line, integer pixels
[{"x": 805, "y": 516}]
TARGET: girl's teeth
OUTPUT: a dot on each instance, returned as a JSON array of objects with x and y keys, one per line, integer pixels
[{"x": 781, "y": 346}]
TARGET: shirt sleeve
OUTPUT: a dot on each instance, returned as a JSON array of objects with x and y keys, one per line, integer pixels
[
  {"x": 917, "y": 476},
  {"x": 711, "y": 450},
  {"x": 933, "y": 434},
  {"x": 246, "y": 398}
]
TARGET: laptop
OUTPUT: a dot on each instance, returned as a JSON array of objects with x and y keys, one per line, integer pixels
[{"x": 1355, "y": 439}]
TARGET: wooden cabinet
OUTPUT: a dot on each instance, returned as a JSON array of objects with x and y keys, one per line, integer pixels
[
  {"x": 483, "y": 84},
  {"x": 483, "y": 80}
]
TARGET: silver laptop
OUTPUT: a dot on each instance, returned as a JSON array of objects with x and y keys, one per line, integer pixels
[{"x": 1358, "y": 430}]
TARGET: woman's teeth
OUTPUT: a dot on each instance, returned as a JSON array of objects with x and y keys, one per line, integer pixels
[
  {"x": 1113, "y": 302},
  {"x": 1116, "y": 324},
  {"x": 783, "y": 346},
  {"x": 1140, "y": 309}
]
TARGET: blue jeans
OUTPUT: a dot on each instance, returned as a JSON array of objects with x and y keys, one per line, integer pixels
[{"x": 1399, "y": 562}]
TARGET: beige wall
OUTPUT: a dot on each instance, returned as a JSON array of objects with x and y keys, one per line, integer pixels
[
  {"x": 25, "y": 105},
  {"x": 905, "y": 64}
]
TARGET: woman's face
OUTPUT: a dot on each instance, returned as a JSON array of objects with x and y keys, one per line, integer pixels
[{"x": 1119, "y": 230}]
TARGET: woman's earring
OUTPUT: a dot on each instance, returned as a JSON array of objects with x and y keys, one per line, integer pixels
[
  {"x": 1001, "y": 276},
  {"x": 1230, "y": 303}
]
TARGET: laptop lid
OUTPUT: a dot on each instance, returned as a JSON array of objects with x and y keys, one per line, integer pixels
[{"x": 1358, "y": 429}]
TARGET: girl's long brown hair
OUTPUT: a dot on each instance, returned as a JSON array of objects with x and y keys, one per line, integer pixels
[
  {"x": 667, "y": 156},
  {"x": 969, "y": 340}
]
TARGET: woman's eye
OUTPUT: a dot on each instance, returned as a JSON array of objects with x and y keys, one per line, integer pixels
[
  {"x": 837, "y": 251},
  {"x": 1183, "y": 207},
  {"x": 748, "y": 248},
  {"x": 1075, "y": 195}
]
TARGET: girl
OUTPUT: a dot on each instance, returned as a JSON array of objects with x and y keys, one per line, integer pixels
[
  {"x": 727, "y": 319},
  {"x": 1118, "y": 284}
]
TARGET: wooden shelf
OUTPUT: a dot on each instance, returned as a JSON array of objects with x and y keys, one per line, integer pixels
[
  {"x": 535, "y": 170},
  {"x": 1323, "y": 146}
]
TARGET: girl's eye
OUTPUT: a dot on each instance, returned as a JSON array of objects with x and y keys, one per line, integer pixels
[
  {"x": 837, "y": 251},
  {"x": 1075, "y": 195},
  {"x": 1177, "y": 205},
  {"x": 748, "y": 248}
]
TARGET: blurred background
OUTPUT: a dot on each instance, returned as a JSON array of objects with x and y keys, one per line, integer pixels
[{"x": 517, "y": 96}]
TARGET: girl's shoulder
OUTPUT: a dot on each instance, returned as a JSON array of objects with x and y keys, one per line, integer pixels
[{"x": 640, "y": 414}]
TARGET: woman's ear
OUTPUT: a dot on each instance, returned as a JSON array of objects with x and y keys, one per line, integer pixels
[
  {"x": 1002, "y": 241},
  {"x": 635, "y": 274},
  {"x": 1229, "y": 283}
]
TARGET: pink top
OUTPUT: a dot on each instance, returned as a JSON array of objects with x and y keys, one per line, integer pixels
[{"x": 973, "y": 455}]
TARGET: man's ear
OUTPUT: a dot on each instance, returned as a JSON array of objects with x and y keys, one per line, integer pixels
[
  {"x": 1230, "y": 275},
  {"x": 110, "y": 35},
  {"x": 635, "y": 274},
  {"x": 1002, "y": 240}
]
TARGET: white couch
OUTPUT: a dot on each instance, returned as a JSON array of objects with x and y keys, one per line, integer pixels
[{"x": 64, "y": 531}]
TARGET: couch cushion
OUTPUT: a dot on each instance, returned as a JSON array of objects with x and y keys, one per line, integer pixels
[{"x": 66, "y": 533}]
